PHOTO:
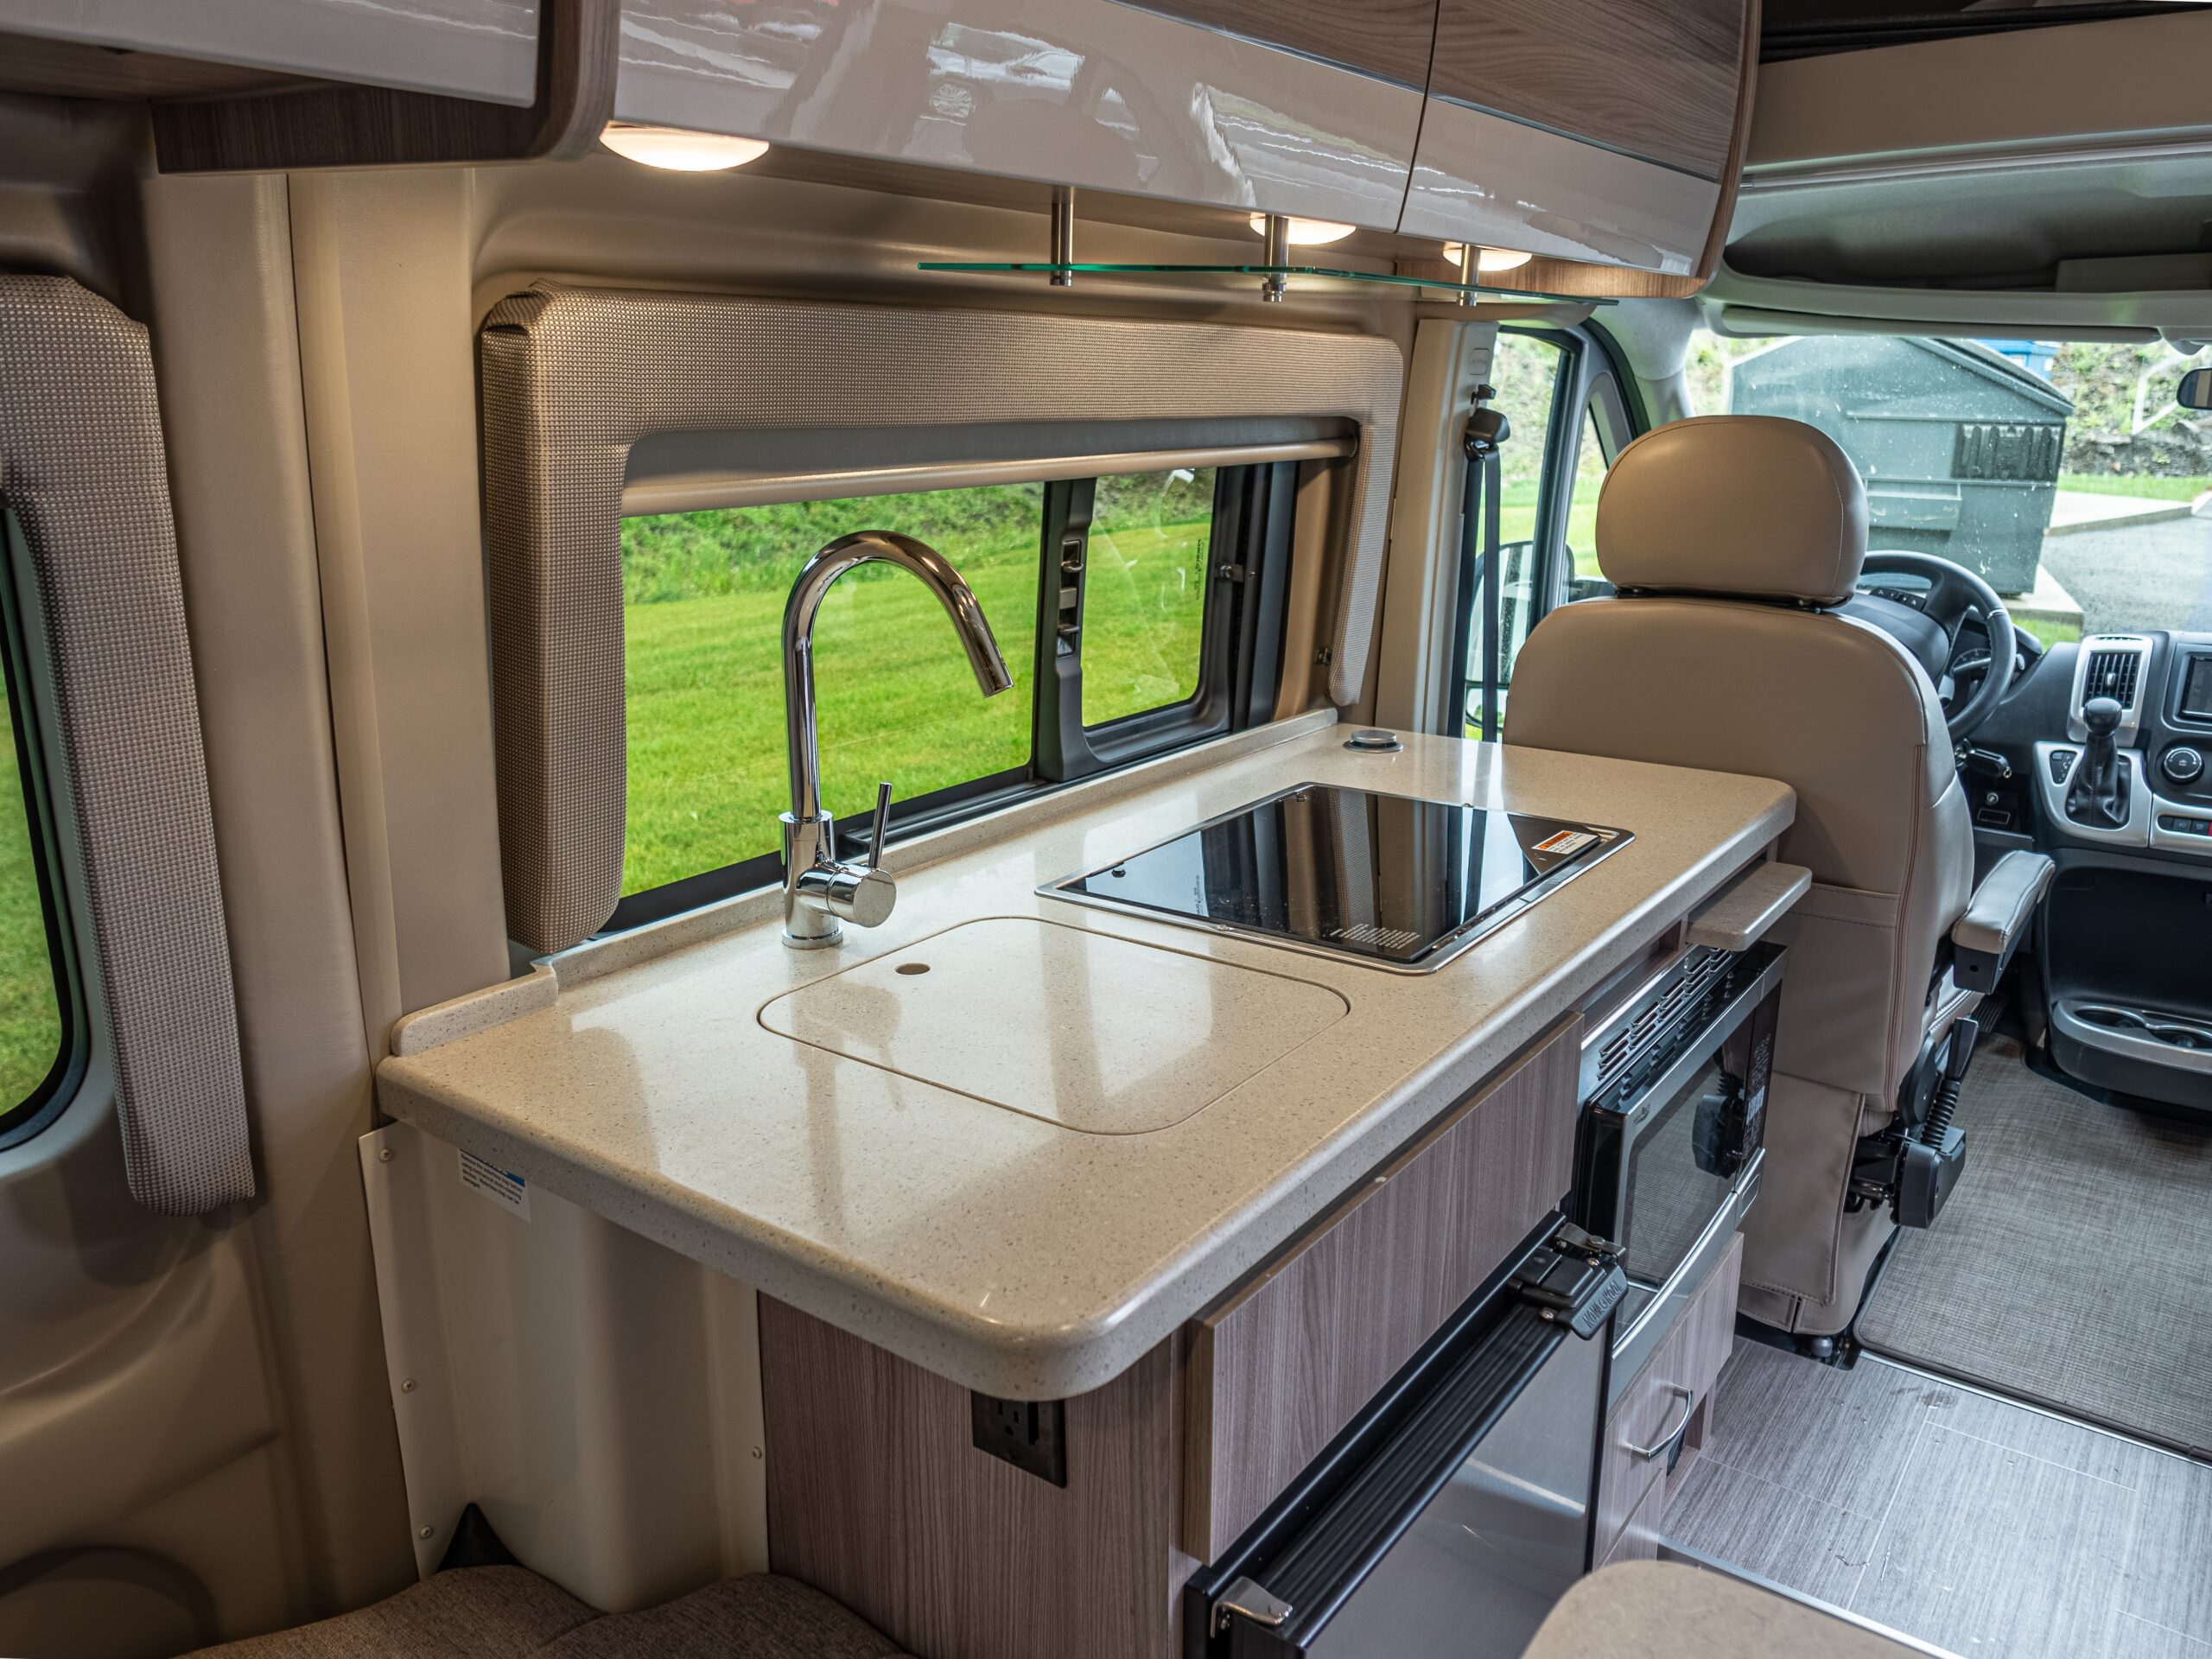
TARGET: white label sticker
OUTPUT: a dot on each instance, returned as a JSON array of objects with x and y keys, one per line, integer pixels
[
  {"x": 1565, "y": 842},
  {"x": 504, "y": 1187}
]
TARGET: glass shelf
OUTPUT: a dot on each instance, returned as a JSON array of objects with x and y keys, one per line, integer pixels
[{"x": 1324, "y": 273}]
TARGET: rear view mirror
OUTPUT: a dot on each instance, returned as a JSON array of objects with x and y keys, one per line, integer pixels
[{"x": 2195, "y": 390}]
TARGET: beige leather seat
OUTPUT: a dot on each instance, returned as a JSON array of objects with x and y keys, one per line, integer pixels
[{"x": 1727, "y": 537}]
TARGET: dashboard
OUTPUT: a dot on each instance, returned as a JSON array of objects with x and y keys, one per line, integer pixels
[{"x": 2163, "y": 683}]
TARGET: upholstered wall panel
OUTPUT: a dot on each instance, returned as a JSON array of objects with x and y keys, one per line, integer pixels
[
  {"x": 572, "y": 377},
  {"x": 83, "y": 470}
]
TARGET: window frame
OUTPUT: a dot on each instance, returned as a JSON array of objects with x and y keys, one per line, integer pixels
[
  {"x": 1592, "y": 384},
  {"x": 1462, "y": 685},
  {"x": 22, "y": 1119},
  {"x": 1239, "y": 669}
]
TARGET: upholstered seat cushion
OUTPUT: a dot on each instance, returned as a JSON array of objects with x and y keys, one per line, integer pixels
[
  {"x": 505, "y": 1612},
  {"x": 1663, "y": 1610}
]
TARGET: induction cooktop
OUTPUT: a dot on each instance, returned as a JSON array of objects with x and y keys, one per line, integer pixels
[{"x": 1389, "y": 881}]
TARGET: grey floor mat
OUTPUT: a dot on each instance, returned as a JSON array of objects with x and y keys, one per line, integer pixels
[{"x": 2072, "y": 1268}]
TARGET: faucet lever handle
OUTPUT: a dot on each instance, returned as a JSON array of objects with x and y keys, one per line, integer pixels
[{"x": 880, "y": 827}]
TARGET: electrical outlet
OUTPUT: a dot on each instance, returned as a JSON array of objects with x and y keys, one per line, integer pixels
[{"x": 1030, "y": 1434}]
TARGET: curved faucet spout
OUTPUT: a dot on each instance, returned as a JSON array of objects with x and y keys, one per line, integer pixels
[
  {"x": 934, "y": 572},
  {"x": 818, "y": 891}
]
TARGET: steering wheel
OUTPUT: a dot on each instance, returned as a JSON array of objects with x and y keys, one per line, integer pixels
[{"x": 1954, "y": 593}]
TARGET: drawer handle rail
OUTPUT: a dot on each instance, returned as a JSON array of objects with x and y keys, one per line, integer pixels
[{"x": 1645, "y": 1453}]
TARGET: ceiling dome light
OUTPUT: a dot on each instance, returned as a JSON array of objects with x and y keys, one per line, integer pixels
[
  {"x": 679, "y": 151},
  {"x": 1306, "y": 233},
  {"x": 1490, "y": 259}
]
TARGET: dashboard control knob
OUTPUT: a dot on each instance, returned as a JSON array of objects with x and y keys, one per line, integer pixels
[{"x": 2182, "y": 764}]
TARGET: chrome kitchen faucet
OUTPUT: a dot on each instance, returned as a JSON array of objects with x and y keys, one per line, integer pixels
[{"x": 819, "y": 893}]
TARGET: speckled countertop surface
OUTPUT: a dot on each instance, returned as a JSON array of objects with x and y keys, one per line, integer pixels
[{"x": 1014, "y": 1253}]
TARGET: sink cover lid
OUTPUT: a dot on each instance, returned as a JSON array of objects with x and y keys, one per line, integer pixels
[{"x": 1093, "y": 1032}]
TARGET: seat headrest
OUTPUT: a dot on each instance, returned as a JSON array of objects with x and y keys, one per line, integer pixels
[{"x": 1749, "y": 504}]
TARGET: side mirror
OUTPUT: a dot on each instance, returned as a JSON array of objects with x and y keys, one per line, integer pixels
[{"x": 2195, "y": 390}]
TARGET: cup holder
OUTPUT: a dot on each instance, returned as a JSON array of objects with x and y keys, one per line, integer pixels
[
  {"x": 2172, "y": 1030},
  {"x": 2097, "y": 1014}
]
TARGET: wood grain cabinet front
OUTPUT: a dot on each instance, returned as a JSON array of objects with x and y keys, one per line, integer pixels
[
  {"x": 1655, "y": 80},
  {"x": 1388, "y": 38},
  {"x": 879, "y": 1495},
  {"x": 1670, "y": 1398},
  {"x": 1277, "y": 1369},
  {"x": 1605, "y": 131}
]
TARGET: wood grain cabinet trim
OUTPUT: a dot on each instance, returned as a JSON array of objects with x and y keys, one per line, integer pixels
[
  {"x": 1690, "y": 1359},
  {"x": 1280, "y": 1366},
  {"x": 1657, "y": 78},
  {"x": 877, "y": 1496},
  {"x": 1388, "y": 38},
  {"x": 333, "y": 124}
]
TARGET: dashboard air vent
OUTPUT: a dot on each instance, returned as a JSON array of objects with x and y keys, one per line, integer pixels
[{"x": 2113, "y": 674}]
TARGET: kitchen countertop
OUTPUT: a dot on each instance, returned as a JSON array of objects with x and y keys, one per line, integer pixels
[{"x": 1014, "y": 1248}]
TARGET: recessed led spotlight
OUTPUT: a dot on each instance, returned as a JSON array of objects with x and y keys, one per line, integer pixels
[
  {"x": 679, "y": 151},
  {"x": 1306, "y": 232},
  {"x": 1490, "y": 259}
]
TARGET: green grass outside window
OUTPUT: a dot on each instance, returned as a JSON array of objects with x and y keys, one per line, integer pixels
[{"x": 30, "y": 1016}]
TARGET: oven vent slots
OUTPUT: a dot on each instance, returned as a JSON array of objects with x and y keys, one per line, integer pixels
[
  {"x": 1387, "y": 938},
  {"x": 1699, "y": 985},
  {"x": 2113, "y": 674}
]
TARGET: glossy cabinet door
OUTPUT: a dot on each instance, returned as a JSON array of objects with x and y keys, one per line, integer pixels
[
  {"x": 1596, "y": 129},
  {"x": 485, "y": 49},
  {"x": 1088, "y": 93}
]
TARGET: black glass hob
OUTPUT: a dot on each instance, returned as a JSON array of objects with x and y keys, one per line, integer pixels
[{"x": 1386, "y": 880}]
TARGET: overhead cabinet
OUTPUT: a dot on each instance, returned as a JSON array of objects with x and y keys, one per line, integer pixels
[
  {"x": 1305, "y": 108},
  {"x": 1599, "y": 131},
  {"x": 1606, "y": 130}
]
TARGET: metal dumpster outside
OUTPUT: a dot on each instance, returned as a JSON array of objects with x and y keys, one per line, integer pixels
[{"x": 1959, "y": 445}]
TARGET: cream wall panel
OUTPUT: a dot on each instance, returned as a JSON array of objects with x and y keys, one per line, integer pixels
[
  {"x": 225, "y": 345},
  {"x": 597, "y": 1395},
  {"x": 471, "y": 48},
  {"x": 1481, "y": 178},
  {"x": 1087, "y": 92},
  {"x": 382, "y": 272}
]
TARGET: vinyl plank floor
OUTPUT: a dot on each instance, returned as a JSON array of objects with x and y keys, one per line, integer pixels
[
  {"x": 1812, "y": 1548},
  {"x": 1989, "y": 1550},
  {"x": 1828, "y": 1434},
  {"x": 2136, "y": 1638},
  {"x": 2169, "y": 1575},
  {"x": 1968, "y": 1521}
]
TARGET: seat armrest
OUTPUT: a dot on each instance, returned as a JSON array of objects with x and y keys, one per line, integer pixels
[{"x": 1983, "y": 939}]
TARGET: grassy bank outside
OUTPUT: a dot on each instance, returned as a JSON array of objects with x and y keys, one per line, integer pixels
[
  {"x": 2148, "y": 486},
  {"x": 30, "y": 1017},
  {"x": 895, "y": 699}
]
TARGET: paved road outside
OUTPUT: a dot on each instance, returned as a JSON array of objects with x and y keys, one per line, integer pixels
[{"x": 2137, "y": 576}]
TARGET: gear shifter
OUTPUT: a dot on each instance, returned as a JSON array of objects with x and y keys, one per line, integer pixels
[{"x": 2096, "y": 795}]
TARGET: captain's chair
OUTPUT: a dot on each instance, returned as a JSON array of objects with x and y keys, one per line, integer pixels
[{"x": 1729, "y": 538}]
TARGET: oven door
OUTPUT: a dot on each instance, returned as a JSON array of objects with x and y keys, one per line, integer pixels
[
  {"x": 1452, "y": 1516},
  {"x": 1672, "y": 1138}
]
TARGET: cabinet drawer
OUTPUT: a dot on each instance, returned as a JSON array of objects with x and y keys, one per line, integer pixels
[
  {"x": 1638, "y": 1539},
  {"x": 1290, "y": 1356},
  {"x": 1661, "y": 1401}
]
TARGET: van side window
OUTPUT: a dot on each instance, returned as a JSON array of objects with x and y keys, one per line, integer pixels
[
  {"x": 1144, "y": 595},
  {"x": 1529, "y": 371},
  {"x": 1583, "y": 578},
  {"x": 1128, "y": 567},
  {"x": 37, "y": 1006},
  {"x": 702, "y": 635}
]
